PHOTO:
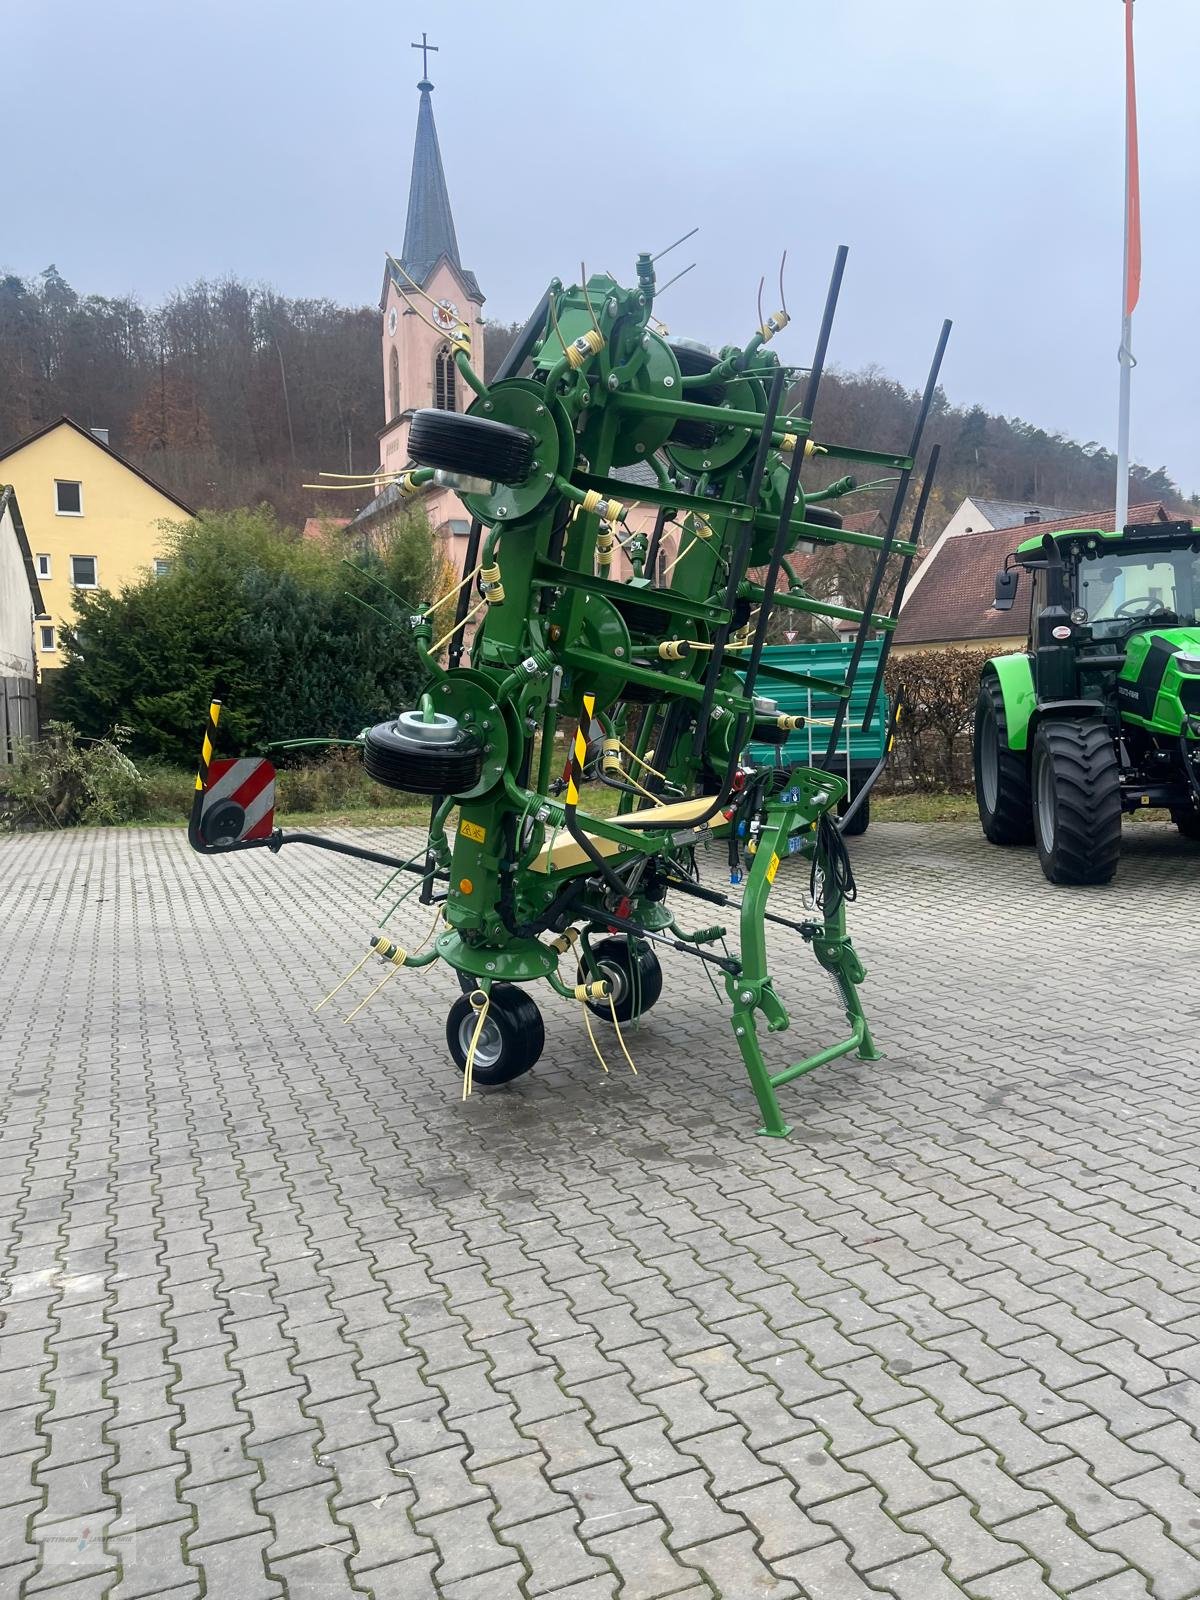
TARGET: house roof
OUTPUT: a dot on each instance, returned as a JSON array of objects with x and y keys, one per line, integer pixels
[
  {"x": 1007, "y": 513},
  {"x": 86, "y": 433},
  {"x": 429, "y": 226},
  {"x": 953, "y": 600},
  {"x": 8, "y": 502},
  {"x": 861, "y": 521}
]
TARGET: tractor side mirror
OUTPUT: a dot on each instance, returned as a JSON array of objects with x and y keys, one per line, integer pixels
[{"x": 1006, "y": 588}]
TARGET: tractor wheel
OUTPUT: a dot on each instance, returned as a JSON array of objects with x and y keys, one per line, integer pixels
[
  {"x": 1001, "y": 775},
  {"x": 860, "y": 821},
  {"x": 1076, "y": 801},
  {"x": 510, "y": 1041},
  {"x": 1188, "y": 823},
  {"x": 635, "y": 978},
  {"x": 473, "y": 446}
]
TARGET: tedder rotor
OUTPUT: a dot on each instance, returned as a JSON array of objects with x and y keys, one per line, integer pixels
[{"x": 646, "y": 662}]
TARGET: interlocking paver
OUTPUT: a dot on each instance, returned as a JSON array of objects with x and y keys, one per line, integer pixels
[{"x": 281, "y": 1316}]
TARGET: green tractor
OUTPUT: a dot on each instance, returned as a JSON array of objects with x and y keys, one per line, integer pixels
[{"x": 1101, "y": 714}]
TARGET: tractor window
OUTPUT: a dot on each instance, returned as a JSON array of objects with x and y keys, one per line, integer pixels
[{"x": 1128, "y": 587}]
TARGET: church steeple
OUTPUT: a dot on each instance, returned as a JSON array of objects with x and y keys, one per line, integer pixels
[{"x": 429, "y": 227}]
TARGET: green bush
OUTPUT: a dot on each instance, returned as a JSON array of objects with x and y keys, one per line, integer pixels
[
  {"x": 298, "y": 643},
  {"x": 63, "y": 779}
]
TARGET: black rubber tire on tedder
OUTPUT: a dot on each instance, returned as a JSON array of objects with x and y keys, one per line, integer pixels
[
  {"x": 1188, "y": 823},
  {"x": 474, "y": 446},
  {"x": 398, "y": 761},
  {"x": 636, "y": 979},
  {"x": 511, "y": 1040},
  {"x": 1076, "y": 800},
  {"x": 1002, "y": 791}
]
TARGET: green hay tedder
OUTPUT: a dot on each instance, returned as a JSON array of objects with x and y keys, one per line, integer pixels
[{"x": 643, "y": 659}]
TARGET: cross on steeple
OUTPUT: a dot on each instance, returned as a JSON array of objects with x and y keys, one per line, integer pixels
[{"x": 424, "y": 47}]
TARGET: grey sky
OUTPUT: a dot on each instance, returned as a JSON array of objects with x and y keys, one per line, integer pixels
[{"x": 968, "y": 151}]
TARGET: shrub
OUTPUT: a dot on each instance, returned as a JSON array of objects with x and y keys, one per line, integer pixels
[
  {"x": 63, "y": 779},
  {"x": 299, "y": 643},
  {"x": 939, "y": 689}
]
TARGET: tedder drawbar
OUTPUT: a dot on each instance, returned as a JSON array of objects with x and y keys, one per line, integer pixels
[{"x": 649, "y": 671}]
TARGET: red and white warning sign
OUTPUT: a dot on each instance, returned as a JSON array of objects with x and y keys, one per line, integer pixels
[{"x": 239, "y": 801}]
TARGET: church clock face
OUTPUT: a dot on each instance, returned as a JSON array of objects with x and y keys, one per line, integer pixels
[
  {"x": 391, "y": 322},
  {"x": 445, "y": 314}
]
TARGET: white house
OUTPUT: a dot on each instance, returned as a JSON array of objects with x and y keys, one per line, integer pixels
[
  {"x": 984, "y": 516},
  {"x": 20, "y": 603}
]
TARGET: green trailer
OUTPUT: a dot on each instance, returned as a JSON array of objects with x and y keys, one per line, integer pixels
[{"x": 861, "y": 750}]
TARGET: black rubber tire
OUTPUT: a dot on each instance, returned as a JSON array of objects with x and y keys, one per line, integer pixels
[
  {"x": 1188, "y": 823},
  {"x": 513, "y": 1036},
  {"x": 1076, "y": 801},
  {"x": 691, "y": 364},
  {"x": 637, "y": 979},
  {"x": 860, "y": 821},
  {"x": 473, "y": 446},
  {"x": 644, "y": 619},
  {"x": 822, "y": 517},
  {"x": 693, "y": 434},
  {"x": 1002, "y": 794},
  {"x": 400, "y": 762}
]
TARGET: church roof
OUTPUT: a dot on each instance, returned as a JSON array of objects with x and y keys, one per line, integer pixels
[{"x": 429, "y": 227}]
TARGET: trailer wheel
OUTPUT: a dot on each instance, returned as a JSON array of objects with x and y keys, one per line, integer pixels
[
  {"x": 1076, "y": 801},
  {"x": 860, "y": 821},
  {"x": 635, "y": 977},
  {"x": 474, "y": 446},
  {"x": 512, "y": 1038},
  {"x": 1002, "y": 790},
  {"x": 1188, "y": 823}
]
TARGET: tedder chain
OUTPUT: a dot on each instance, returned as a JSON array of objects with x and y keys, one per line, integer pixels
[{"x": 638, "y": 644}]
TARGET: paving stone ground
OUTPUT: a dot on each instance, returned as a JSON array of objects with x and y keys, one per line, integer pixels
[{"x": 281, "y": 1316}]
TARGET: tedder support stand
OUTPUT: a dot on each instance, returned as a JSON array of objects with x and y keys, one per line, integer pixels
[{"x": 752, "y": 988}]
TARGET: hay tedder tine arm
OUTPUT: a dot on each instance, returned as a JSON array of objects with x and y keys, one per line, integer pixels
[
  {"x": 901, "y": 586},
  {"x": 889, "y": 538}
]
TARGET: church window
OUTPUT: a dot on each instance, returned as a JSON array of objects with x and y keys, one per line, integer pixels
[
  {"x": 445, "y": 394},
  {"x": 393, "y": 385}
]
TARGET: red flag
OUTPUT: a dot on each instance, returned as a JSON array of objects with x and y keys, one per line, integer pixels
[{"x": 1133, "y": 199}]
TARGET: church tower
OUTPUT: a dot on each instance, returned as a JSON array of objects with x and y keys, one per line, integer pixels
[{"x": 418, "y": 360}]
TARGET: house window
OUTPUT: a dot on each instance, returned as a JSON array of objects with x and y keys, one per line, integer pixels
[
  {"x": 46, "y": 636},
  {"x": 161, "y": 567},
  {"x": 83, "y": 572},
  {"x": 445, "y": 376},
  {"x": 43, "y": 566},
  {"x": 393, "y": 385},
  {"x": 68, "y": 498},
  {"x": 459, "y": 527}
]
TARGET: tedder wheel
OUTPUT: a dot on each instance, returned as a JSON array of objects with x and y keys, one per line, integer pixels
[
  {"x": 1076, "y": 801},
  {"x": 512, "y": 1038},
  {"x": 635, "y": 978},
  {"x": 473, "y": 446},
  {"x": 1188, "y": 823},
  {"x": 1001, "y": 776},
  {"x": 822, "y": 517},
  {"x": 690, "y": 431},
  {"x": 423, "y": 757},
  {"x": 861, "y": 820}
]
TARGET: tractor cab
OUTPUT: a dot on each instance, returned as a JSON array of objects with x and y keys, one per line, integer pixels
[{"x": 1101, "y": 714}]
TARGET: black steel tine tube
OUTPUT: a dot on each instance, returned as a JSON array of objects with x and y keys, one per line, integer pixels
[
  {"x": 901, "y": 584},
  {"x": 738, "y": 559},
  {"x": 889, "y": 539},
  {"x": 793, "y": 480}
]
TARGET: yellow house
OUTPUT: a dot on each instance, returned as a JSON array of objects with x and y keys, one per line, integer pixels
[{"x": 91, "y": 517}]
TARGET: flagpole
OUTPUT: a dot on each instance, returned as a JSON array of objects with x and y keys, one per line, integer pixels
[{"x": 1131, "y": 272}]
